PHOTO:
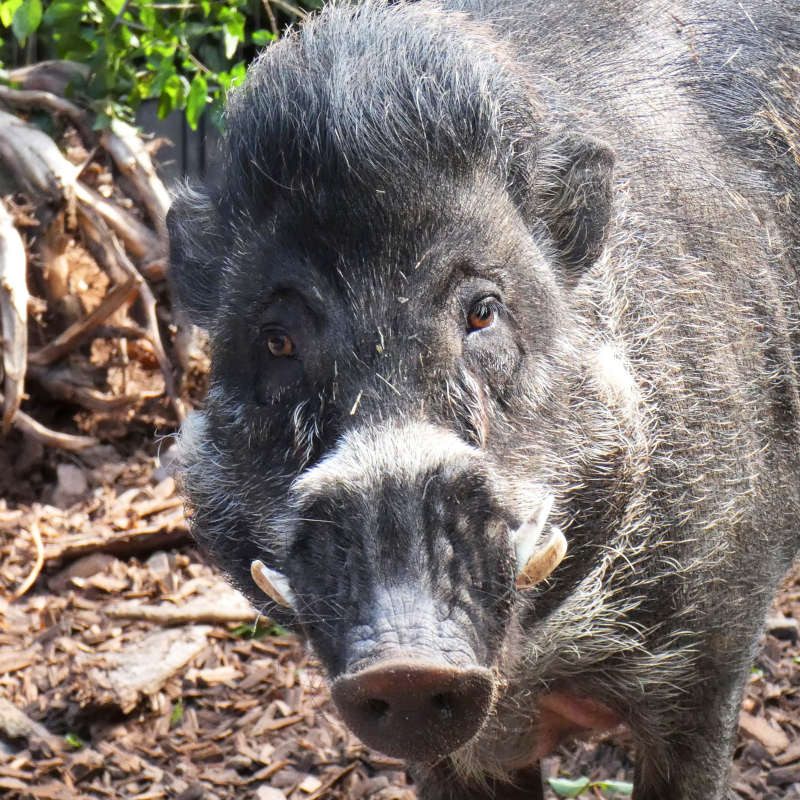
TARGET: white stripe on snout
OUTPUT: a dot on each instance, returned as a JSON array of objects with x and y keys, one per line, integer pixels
[{"x": 365, "y": 457}]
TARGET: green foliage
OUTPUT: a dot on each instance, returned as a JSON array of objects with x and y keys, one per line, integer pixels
[
  {"x": 177, "y": 712},
  {"x": 184, "y": 53},
  {"x": 566, "y": 787},
  {"x": 74, "y": 741}
]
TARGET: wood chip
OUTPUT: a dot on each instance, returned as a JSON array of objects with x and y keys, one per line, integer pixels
[
  {"x": 774, "y": 739},
  {"x": 11, "y": 662},
  {"x": 145, "y": 666},
  {"x": 310, "y": 784}
]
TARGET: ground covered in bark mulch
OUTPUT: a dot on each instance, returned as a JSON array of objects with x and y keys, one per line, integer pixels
[{"x": 129, "y": 670}]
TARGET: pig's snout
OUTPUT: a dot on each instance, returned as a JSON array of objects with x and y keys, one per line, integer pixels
[{"x": 415, "y": 710}]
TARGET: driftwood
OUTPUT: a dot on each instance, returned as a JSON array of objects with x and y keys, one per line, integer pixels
[
  {"x": 133, "y": 161},
  {"x": 49, "y": 76},
  {"x": 13, "y": 314},
  {"x": 37, "y": 98},
  {"x": 107, "y": 250},
  {"x": 77, "y": 208},
  {"x": 143, "y": 668}
]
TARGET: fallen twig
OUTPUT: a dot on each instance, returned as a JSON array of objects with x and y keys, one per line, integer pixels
[
  {"x": 137, "y": 237},
  {"x": 39, "y": 167},
  {"x": 50, "y": 76},
  {"x": 331, "y": 781},
  {"x": 66, "y": 441},
  {"x": 217, "y": 611},
  {"x": 13, "y": 314},
  {"x": 37, "y": 564}
]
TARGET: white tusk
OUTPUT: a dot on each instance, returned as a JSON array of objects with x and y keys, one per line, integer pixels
[
  {"x": 527, "y": 537},
  {"x": 272, "y": 583},
  {"x": 543, "y": 560}
]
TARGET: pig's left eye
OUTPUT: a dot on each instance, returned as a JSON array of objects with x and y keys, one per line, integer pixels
[
  {"x": 482, "y": 314},
  {"x": 280, "y": 345}
]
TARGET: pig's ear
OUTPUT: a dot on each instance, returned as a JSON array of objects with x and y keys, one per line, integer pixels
[
  {"x": 195, "y": 253},
  {"x": 573, "y": 186}
]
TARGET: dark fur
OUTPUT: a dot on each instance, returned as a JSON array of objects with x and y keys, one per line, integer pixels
[{"x": 626, "y": 176}]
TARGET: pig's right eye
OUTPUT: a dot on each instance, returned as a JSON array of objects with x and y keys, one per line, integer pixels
[{"x": 482, "y": 314}]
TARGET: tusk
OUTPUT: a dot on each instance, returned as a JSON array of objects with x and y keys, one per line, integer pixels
[
  {"x": 543, "y": 560},
  {"x": 272, "y": 583},
  {"x": 527, "y": 538}
]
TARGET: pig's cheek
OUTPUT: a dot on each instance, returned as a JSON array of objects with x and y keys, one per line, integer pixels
[{"x": 495, "y": 358}]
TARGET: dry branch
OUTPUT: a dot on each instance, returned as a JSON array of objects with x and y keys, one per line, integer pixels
[
  {"x": 39, "y": 168},
  {"x": 110, "y": 254},
  {"x": 49, "y": 76},
  {"x": 137, "y": 237},
  {"x": 165, "y": 532},
  {"x": 62, "y": 386},
  {"x": 38, "y": 563},
  {"x": 65, "y": 441},
  {"x": 78, "y": 331},
  {"x": 134, "y": 162},
  {"x": 15, "y": 724},
  {"x": 219, "y": 605},
  {"x": 35, "y": 160},
  {"x": 13, "y": 314},
  {"x": 21, "y": 98}
]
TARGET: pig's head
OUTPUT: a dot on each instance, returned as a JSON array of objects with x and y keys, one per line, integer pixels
[{"x": 387, "y": 277}]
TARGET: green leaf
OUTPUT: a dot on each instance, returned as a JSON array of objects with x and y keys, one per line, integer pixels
[
  {"x": 260, "y": 630},
  {"x": 263, "y": 37},
  {"x": 620, "y": 787},
  {"x": 196, "y": 102},
  {"x": 564, "y": 787},
  {"x": 7, "y": 11},
  {"x": 231, "y": 42},
  {"x": 114, "y": 6},
  {"x": 26, "y": 19},
  {"x": 74, "y": 741},
  {"x": 177, "y": 712}
]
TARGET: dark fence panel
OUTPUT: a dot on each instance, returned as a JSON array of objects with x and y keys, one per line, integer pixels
[{"x": 190, "y": 154}]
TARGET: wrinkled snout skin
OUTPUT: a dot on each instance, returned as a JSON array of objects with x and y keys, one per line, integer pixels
[{"x": 482, "y": 276}]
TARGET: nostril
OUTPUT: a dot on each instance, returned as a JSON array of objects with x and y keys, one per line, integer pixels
[
  {"x": 444, "y": 703},
  {"x": 377, "y": 707}
]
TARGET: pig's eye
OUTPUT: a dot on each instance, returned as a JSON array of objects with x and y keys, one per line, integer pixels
[
  {"x": 481, "y": 315},
  {"x": 280, "y": 345}
]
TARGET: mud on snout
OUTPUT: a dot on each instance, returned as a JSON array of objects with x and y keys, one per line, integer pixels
[{"x": 401, "y": 567}]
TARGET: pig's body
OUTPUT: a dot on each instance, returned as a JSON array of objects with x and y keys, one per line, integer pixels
[{"x": 438, "y": 317}]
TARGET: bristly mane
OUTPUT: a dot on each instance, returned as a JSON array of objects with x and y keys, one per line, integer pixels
[{"x": 351, "y": 100}]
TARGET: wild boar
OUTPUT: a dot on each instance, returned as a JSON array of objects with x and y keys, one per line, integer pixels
[{"x": 502, "y": 299}]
